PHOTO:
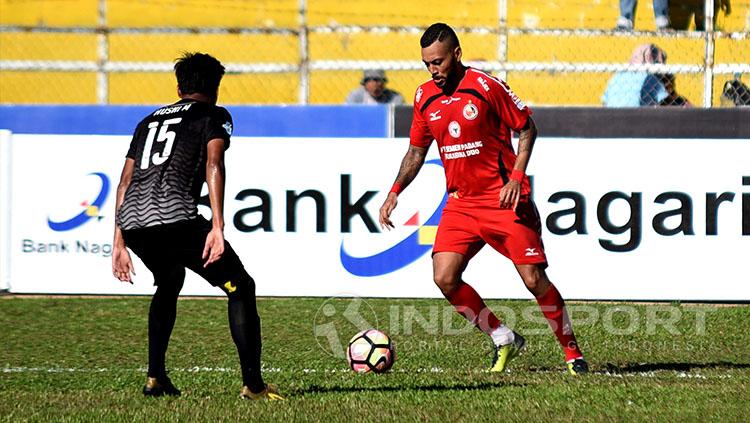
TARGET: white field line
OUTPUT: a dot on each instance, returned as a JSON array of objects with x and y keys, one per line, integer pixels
[{"x": 197, "y": 369}]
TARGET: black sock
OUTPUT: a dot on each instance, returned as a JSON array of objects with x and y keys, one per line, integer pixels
[
  {"x": 161, "y": 319},
  {"x": 244, "y": 324}
]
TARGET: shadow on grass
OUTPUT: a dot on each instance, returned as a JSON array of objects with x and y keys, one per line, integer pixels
[
  {"x": 649, "y": 367},
  {"x": 315, "y": 389},
  {"x": 680, "y": 367}
]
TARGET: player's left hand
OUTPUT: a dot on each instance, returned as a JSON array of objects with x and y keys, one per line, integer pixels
[
  {"x": 214, "y": 247},
  {"x": 510, "y": 193}
]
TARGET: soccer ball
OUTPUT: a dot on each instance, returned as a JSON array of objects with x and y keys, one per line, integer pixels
[{"x": 370, "y": 351}]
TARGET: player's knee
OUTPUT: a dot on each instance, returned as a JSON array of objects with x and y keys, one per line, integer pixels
[
  {"x": 170, "y": 281},
  {"x": 446, "y": 281},
  {"x": 244, "y": 285},
  {"x": 169, "y": 284},
  {"x": 536, "y": 282}
]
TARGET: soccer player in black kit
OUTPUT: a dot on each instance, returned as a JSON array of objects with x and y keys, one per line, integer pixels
[{"x": 174, "y": 151}]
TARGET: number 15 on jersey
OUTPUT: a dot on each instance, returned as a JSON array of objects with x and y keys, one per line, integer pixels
[{"x": 165, "y": 135}]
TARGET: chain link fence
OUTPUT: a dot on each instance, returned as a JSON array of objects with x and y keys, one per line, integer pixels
[{"x": 552, "y": 52}]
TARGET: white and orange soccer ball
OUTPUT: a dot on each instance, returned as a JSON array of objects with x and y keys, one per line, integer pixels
[{"x": 370, "y": 351}]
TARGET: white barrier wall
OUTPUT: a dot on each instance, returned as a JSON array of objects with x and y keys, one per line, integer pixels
[
  {"x": 623, "y": 219},
  {"x": 5, "y": 171}
]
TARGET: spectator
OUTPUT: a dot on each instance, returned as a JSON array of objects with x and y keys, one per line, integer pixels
[
  {"x": 672, "y": 98},
  {"x": 680, "y": 12},
  {"x": 627, "y": 14},
  {"x": 373, "y": 90},
  {"x": 637, "y": 88},
  {"x": 735, "y": 93}
]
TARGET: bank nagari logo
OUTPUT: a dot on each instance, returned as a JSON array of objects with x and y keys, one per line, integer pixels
[
  {"x": 404, "y": 252},
  {"x": 90, "y": 210}
]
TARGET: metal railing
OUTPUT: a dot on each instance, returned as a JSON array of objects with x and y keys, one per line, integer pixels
[{"x": 305, "y": 67}]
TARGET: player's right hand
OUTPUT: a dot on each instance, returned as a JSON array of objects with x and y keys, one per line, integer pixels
[
  {"x": 214, "y": 246},
  {"x": 385, "y": 211},
  {"x": 510, "y": 193},
  {"x": 122, "y": 265}
]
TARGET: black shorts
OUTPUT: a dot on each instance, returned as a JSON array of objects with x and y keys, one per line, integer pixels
[{"x": 168, "y": 249}]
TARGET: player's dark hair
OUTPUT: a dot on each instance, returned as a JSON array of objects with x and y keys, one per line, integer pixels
[
  {"x": 439, "y": 32},
  {"x": 198, "y": 73}
]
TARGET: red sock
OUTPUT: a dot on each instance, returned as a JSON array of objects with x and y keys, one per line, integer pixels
[
  {"x": 470, "y": 305},
  {"x": 553, "y": 308}
]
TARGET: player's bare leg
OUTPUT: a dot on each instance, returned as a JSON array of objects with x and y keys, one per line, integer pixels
[
  {"x": 447, "y": 270},
  {"x": 553, "y": 308}
]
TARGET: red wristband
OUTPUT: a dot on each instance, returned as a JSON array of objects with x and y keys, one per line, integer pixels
[
  {"x": 396, "y": 188},
  {"x": 517, "y": 175}
]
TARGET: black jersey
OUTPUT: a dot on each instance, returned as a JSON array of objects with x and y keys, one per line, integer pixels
[{"x": 169, "y": 147}]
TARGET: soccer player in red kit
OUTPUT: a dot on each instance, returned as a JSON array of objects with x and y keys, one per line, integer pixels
[{"x": 471, "y": 115}]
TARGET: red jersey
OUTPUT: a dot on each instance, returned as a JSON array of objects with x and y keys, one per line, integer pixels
[{"x": 472, "y": 128}]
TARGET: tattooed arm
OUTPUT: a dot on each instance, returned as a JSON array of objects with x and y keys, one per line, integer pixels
[
  {"x": 410, "y": 166},
  {"x": 511, "y": 191}
]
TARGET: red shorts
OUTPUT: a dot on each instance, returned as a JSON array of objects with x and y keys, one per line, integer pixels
[{"x": 467, "y": 225}]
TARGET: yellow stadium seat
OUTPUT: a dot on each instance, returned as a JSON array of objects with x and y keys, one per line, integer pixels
[
  {"x": 47, "y": 46},
  {"x": 50, "y": 13},
  {"x": 47, "y": 87},
  {"x": 331, "y": 86}
]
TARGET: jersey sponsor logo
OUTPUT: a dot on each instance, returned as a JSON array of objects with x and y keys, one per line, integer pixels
[
  {"x": 227, "y": 127},
  {"x": 454, "y": 129},
  {"x": 405, "y": 252},
  {"x": 435, "y": 116},
  {"x": 483, "y": 83},
  {"x": 531, "y": 251},
  {"x": 470, "y": 111},
  {"x": 90, "y": 209},
  {"x": 460, "y": 151},
  {"x": 513, "y": 97},
  {"x": 418, "y": 95},
  {"x": 450, "y": 100}
]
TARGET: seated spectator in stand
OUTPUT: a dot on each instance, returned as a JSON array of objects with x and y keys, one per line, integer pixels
[
  {"x": 637, "y": 88},
  {"x": 627, "y": 14},
  {"x": 680, "y": 12},
  {"x": 373, "y": 90},
  {"x": 735, "y": 93},
  {"x": 672, "y": 99}
]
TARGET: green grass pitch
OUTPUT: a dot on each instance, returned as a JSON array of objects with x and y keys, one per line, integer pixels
[{"x": 84, "y": 359}]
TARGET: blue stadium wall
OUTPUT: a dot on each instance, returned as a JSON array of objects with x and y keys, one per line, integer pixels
[
  {"x": 249, "y": 121},
  {"x": 382, "y": 121}
]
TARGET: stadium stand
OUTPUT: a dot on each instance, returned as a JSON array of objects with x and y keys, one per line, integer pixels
[{"x": 263, "y": 33}]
